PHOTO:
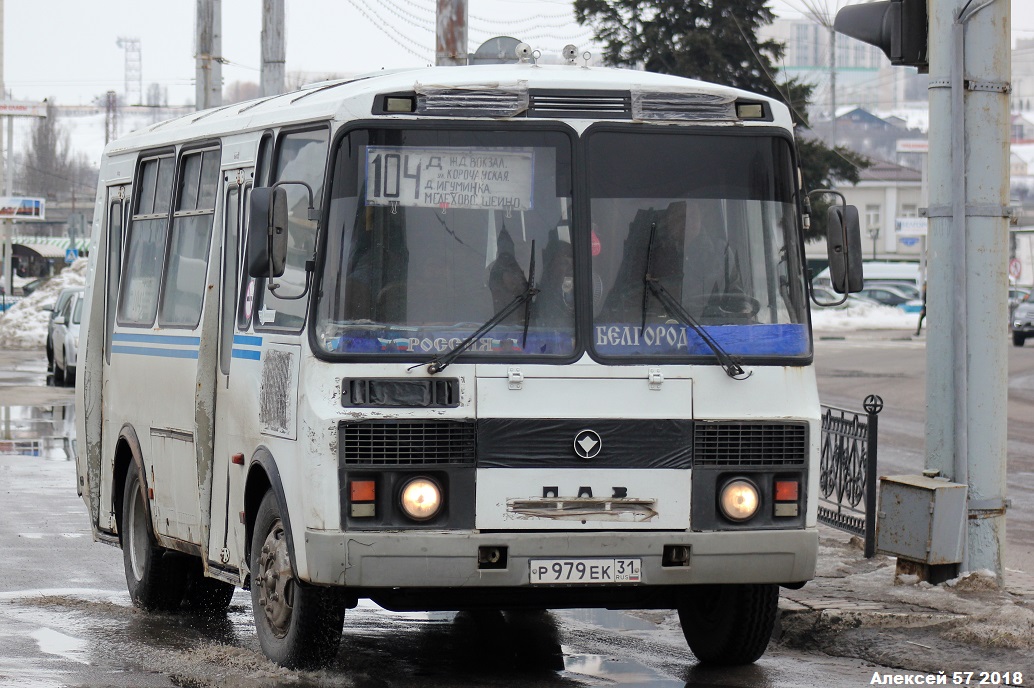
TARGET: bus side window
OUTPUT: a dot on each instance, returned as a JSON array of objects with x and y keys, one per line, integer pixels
[
  {"x": 114, "y": 270},
  {"x": 145, "y": 242},
  {"x": 183, "y": 291},
  {"x": 301, "y": 157}
]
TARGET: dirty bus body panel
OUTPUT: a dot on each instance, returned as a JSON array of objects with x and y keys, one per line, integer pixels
[{"x": 541, "y": 343}]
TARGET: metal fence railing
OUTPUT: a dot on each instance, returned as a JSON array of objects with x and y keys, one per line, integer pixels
[{"x": 847, "y": 470}]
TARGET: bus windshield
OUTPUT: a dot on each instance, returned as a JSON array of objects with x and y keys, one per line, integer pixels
[
  {"x": 707, "y": 219},
  {"x": 433, "y": 232}
]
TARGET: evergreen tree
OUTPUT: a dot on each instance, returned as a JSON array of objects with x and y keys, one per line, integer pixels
[{"x": 716, "y": 41}]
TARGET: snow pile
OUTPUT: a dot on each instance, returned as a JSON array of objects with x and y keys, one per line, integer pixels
[
  {"x": 860, "y": 607},
  {"x": 24, "y": 325},
  {"x": 863, "y": 316}
]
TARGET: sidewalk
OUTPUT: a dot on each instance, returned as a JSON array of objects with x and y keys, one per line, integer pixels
[{"x": 855, "y": 607}]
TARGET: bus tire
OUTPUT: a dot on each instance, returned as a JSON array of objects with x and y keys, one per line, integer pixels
[
  {"x": 298, "y": 625},
  {"x": 206, "y": 595},
  {"x": 729, "y": 624},
  {"x": 156, "y": 578}
]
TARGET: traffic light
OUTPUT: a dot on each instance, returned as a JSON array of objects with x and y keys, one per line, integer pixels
[{"x": 897, "y": 27}]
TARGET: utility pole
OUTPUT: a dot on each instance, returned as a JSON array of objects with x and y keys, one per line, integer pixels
[
  {"x": 451, "y": 33},
  {"x": 967, "y": 377},
  {"x": 274, "y": 52},
  {"x": 208, "y": 59}
]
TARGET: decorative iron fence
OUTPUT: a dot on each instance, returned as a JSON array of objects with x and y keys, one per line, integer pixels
[{"x": 847, "y": 477}]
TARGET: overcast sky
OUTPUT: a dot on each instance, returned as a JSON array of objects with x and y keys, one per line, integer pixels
[{"x": 67, "y": 49}]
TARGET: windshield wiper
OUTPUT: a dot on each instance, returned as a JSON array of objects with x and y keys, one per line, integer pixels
[
  {"x": 651, "y": 285},
  {"x": 440, "y": 363}
]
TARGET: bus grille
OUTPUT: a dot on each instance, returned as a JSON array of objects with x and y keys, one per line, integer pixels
[
  {"x": 407, "y": 443},
  {"x": 750, "y": 444},
  {"x": 587, "y": 104}
]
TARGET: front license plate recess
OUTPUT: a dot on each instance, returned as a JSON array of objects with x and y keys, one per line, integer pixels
[{"x": 580, "y": 571}]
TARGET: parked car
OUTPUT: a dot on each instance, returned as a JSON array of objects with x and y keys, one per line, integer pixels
[
  {"x": 55, "y": 308},
  {"x": 826, "y": 295},
  {"x": 892, "y": 295},
  {"x": 1016, "y": 296},
  {"x": 1022, "y": 321},
  {"x": 910, "y": 290},
  {"x": 66, "y": 340}
]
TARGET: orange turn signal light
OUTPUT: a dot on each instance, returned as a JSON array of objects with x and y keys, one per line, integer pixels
[
  {"x": 363, "y": 490},
  {"x": 786, "y": 490}
]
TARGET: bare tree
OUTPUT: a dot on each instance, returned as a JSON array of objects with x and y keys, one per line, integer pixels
[{"x": 48, "y": 158}]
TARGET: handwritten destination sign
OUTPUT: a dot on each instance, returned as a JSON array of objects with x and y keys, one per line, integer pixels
[{"x": 472, "y": 178}]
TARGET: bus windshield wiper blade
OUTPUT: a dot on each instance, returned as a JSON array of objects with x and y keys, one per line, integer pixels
[
  {"x": 729, "y": 364},
  {"x": 440, "y": 363}
]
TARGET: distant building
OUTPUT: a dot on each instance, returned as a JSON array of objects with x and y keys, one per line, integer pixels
[
  {"x": 864, "y": 76},
  {"x": 864, "y": 132}
]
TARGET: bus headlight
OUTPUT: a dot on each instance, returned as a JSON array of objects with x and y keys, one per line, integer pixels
[
  {"x": 421, "y": 499},
  {"x": 739, "y": 499}
]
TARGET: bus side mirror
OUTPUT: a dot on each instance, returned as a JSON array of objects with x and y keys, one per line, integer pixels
[
  {"x": 267, "y": 232},
  {"x": 844, "y": 244}
]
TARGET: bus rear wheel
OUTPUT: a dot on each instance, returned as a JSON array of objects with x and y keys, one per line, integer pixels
[
  {"x": 728, "y": 624},
  {"x": 156, "y": 578},
  {"x": 298, "y": 625}
]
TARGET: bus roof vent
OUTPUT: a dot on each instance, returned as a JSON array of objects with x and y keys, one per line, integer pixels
[
  {"x": 588, "y": 104},
  {"x": 653, "y": 105},
  {"x": 484, "y": 100}
]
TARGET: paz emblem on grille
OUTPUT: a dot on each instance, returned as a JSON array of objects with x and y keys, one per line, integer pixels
[{"x": 587, "y": 444}]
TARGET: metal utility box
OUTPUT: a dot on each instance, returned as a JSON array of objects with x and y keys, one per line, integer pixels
[{"x": 921, "y": 519}]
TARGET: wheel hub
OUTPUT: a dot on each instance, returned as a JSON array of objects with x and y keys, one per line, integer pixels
[{"x": 276, "y": 582}]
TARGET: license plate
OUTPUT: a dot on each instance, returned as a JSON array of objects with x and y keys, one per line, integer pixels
[{"x": 585, "y": 570}]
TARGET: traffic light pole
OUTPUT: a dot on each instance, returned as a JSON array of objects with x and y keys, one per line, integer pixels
[{"x": 966, "y": 384}]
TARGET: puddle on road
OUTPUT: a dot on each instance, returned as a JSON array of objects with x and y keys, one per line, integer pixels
[
  {"x": 45, "y": 431},
  {"x": 55, "y": 643},
  {"x": 618, "y": 671}
]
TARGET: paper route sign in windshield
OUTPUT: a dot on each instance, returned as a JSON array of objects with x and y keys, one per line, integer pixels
[{"x": 473, "y": 178}]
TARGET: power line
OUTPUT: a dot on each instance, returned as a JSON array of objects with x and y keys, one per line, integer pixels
[{"x": 380, "y": 24}]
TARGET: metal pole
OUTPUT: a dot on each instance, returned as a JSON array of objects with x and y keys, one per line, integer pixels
[
  {"x": 873, "y": 405},
  {"x": 274, "y": 52},
  {"x": 966, "y": 344},
  {"x": 451, "y": 33}
]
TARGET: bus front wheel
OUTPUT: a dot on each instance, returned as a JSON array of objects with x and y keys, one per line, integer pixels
[
  {"x": 298, "y": 625},
  {"x": 156, "y": 578},
  {"x": 728, "y": 624}
]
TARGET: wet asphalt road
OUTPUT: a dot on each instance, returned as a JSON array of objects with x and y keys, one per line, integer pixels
[{"x": 66, "y": 620}]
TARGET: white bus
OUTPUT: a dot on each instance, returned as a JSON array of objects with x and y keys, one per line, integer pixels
[{"x": 467, "y": 337}]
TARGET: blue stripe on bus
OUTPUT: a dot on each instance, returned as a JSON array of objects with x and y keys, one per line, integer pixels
[
  {"x": 246, "y": 353},
  {"x": 247, "y": 340},
  {"x": 154, "y": 351},
  {"x": 156, "y": 339}
]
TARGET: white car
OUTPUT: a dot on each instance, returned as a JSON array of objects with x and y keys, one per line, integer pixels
[{"x": 66, "y": 340}]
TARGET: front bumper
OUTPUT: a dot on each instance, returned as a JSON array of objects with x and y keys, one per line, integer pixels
[{"x": 449, "y": 559}]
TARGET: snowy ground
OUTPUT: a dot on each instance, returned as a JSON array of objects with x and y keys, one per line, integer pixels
[
  {"x": 24, "y": 325},
  {"x": 863, "y": 316}
]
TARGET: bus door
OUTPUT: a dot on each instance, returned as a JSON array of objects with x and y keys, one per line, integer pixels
[{"x": 238, "y": 351}]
